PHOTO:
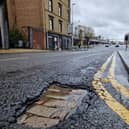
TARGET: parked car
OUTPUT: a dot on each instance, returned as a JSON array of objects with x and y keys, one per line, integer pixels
[
  {"x": 117, "y": 45},
  {"x": 107, "y": 45}
]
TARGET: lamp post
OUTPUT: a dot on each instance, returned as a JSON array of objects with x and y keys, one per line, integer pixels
[
  {"x": 72, "y": 25},
  {"x": 126, "y": 41}
]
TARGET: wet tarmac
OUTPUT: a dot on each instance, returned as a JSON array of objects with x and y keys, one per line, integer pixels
[
  {"x": 23, "y": 81},
  {"x": 112, "y": 91}
]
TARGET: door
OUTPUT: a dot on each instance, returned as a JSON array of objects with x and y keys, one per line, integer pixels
[{"x": 51, "y": 43}]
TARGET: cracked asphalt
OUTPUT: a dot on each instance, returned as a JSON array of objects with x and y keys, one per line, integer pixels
[{"x": 24, "y": 77}]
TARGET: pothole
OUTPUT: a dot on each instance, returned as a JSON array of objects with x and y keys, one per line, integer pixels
[{"x": 56, "y": 105}]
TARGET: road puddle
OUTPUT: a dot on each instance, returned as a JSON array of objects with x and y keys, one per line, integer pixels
[{"x": 56, "y": 105}]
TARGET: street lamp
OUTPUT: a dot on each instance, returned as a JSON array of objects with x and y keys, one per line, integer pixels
[
  {"x": 72, "y": 25},
  {"x": 73, "y": 4}
]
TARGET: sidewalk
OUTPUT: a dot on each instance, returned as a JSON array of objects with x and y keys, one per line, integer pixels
[
  {"x": 22, "y": 50},
  {"x": 124, "y": 55},
  {"x": 18, "y": 51}
]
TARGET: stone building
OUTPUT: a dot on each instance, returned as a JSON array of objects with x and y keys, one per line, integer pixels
[
  {"x": 44, "y": 22},
  {"x": 57, "y": 20}
]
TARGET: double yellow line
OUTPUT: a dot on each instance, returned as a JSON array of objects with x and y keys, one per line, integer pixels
[
  {"x": 120, "y": 88},
  {"x": 105, "y": 95}
]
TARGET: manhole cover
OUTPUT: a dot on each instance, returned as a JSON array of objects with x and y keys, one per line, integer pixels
[{"x": 54, "y": 106}]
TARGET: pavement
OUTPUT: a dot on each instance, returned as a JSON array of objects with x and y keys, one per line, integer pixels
[
  {"x": 16, "y": 51},
  {"x": 125, "y": 56},
  {"x": 20, "y": 50},
  {"x": 24, "y": 78}
]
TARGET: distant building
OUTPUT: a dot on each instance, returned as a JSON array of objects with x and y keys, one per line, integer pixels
[
  {"x": 44, "y": 22},
  {"x": 82, "y": 32},
  {"x": 86, "y": 31}
]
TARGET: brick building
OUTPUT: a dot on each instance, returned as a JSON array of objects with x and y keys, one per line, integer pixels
[
  {"x": 27, "y": 15},
  {"x": 44, "y": 22}
]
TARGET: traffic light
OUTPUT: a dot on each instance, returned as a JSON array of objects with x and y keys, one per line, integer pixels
[{"x": 126, "y": 37}]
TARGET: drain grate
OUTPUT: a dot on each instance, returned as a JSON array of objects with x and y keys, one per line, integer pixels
[{"x": 54, "y": 106}]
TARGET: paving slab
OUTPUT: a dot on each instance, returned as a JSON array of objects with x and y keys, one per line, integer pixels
[
  {"x": 42, "y": 111},
  {"x": 52, "y": 107},
  {"x": 40, "y": 122}
]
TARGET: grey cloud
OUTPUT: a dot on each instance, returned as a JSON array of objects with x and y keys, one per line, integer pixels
[{"x": 107, "y": 17}]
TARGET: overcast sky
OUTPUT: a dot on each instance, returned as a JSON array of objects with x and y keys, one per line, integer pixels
[{"x": 109, "y": 18}]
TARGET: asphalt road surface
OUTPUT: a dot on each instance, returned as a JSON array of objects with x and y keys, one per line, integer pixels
[{"x": 23, "y": 77}]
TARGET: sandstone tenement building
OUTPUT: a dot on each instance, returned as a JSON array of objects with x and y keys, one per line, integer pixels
[{"x": 44, "y": 22}]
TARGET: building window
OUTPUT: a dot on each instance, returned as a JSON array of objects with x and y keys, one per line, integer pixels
[
  {"x": 59, "y": 9},
  {"x": 51, "y": 23},
  {"x": 50, "y": 5},
  {"x": 60, "y": 26}
]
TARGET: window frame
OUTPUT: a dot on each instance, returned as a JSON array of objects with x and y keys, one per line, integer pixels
[
  {"x": 60, "y": 7},
  {"x": 60, "y": 26},
  {"x": 51, "y": 23},
  {"x": 50, "y": 5}
]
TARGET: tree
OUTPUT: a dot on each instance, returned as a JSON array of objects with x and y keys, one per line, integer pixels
[
  {"x": 89, "y": 32},
  {"x": 80, "y": 34},
  {"x": 15, "y": 35}
]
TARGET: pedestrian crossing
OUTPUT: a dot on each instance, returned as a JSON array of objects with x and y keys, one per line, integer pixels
[{"x": 100, "y": 88}]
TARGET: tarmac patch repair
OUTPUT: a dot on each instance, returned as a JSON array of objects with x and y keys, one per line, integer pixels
[{"x": 56, "y": 105}]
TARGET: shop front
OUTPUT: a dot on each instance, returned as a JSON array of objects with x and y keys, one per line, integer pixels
[
  {"x": 53, "y": 42},
  {"x": 58, "y": 42},
  {"x": 66, "y": 42}
]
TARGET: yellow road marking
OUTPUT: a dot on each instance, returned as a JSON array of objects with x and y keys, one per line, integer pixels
[
  {"x": 106, "y": 96},
  {"x": 105, "y": 80},
  {"x": 111, "y": 102},
  {"x": 119, "y": 87},
  {"x": 103, "y": 68}
]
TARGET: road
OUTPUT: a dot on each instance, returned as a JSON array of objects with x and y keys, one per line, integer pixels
[{"x": 23, "y": 77}]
